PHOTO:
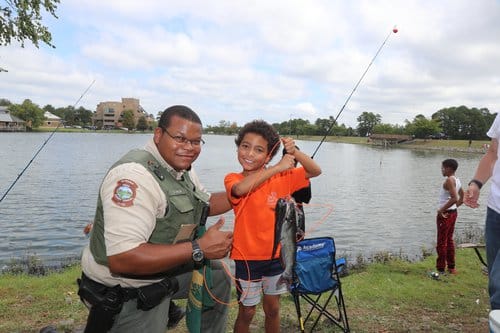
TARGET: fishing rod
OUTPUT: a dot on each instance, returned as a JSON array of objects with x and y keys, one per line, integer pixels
[
  {"x": 43, "y": 145},
  {"x": 394, "y": 30}
]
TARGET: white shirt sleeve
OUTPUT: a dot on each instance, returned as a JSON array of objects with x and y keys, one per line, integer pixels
[
  {"x": 494, "y": 131},
  {"x": 126, "y": 226}
]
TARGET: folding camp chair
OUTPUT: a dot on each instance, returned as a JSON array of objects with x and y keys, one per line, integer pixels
[
  {"x": 318, "y": 281},
  {"x": 476, "y": 248}
]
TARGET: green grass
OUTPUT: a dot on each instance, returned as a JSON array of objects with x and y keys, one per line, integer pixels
[
  {"x": 462, "y": 145},
  {"x": 401, "y": 297},
  {"x": 28, "y": 303},
  {"x": 395, "y": 296},
  {"x": 476, "y": 146},
  {"x": 338, "y": 139}
]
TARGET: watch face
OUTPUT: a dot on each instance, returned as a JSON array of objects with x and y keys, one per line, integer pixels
[{"x": 198, "y": 255}]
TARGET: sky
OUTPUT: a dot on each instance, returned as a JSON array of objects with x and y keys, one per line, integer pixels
[{"x": 236, "y": 61}]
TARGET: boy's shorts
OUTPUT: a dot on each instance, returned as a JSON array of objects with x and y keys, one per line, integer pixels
[{"x": 264, "y": 277}]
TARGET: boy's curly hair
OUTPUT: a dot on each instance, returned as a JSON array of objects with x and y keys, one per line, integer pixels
[{"x": 263, "y": 129}]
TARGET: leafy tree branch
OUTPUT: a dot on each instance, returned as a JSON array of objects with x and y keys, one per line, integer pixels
[{"x": 21, "y": 20}]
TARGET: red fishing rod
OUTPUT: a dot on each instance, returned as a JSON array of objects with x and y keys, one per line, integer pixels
[{"x": 393, "y": 31}]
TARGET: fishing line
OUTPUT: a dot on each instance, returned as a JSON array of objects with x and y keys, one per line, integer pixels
[
  {"x": 43, "y": 145},
  {"x": 233, "y": 278},
  {"x": 315, "y": 226},
  {"x": 394, "y": 30}
]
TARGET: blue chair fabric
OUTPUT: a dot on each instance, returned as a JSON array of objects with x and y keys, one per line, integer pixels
[{"x": 318, "y": 283}]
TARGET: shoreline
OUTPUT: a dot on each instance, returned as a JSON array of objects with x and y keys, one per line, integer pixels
[
  {"x": 476, "y": 147},
  {"x": 444, "y": 149},
  {"x": 34, "y": 266}
]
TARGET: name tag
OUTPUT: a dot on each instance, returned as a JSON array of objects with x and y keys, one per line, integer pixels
[{"x": 186, "y": 233}]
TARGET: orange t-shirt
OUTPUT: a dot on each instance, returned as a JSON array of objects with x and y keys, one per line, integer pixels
[{"x": 254, "y": 213}]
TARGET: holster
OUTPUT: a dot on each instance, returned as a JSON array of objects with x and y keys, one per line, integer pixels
[{"x": 106, "y": 303}]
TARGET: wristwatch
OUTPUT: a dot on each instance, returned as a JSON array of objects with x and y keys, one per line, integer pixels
[{"x": 197, "y": 253}]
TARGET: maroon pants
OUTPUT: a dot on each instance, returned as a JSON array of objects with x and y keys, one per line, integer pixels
[{"x": 445, "y": 245}]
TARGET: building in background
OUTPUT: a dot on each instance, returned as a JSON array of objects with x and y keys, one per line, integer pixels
[
  {"x": 51, "y": 120},
  {"x": 109, "y": 115},
  {"x": 10, "y": 123}
]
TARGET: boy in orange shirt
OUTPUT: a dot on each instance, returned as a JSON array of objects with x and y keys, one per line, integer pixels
[{"x": 253, "y": 194}]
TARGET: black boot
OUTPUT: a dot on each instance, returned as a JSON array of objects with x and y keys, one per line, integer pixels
[{"x": 175, "y": 314}]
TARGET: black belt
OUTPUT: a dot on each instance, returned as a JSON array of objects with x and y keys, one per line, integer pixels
[
  {"x": 129, "y": 294},
  {"x": 451, "y": 210},
  {"x": 152, "y": 293}
]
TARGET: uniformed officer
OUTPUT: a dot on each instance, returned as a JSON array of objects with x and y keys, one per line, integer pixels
[{"x": 142, "y": 249}]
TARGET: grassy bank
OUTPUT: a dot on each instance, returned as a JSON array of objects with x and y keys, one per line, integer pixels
[
  {"x": 393, "y": 296},
  {"x": 447, "y": 145}
]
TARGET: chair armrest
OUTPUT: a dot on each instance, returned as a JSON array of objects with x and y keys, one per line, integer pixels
[{"x": 341, "y": 264}]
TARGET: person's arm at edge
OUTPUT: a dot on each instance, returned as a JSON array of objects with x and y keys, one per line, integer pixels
[
  {"x": 483, "y": 173},
  {"x": 485, "y": 167}
]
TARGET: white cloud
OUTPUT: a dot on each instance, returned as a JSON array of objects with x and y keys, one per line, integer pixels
[
  {"x": 306, "y": 108},
  {"x": 234, "y": 61}
]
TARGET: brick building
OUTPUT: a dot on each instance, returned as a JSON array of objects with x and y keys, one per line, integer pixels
[{"x": 109, "y": 115}]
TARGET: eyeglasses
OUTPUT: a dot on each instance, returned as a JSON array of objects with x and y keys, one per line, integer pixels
[{"x": 184, "y": 140}]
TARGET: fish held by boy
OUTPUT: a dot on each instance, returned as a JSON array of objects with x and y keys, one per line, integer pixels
[{"x": 286, "y": 233}]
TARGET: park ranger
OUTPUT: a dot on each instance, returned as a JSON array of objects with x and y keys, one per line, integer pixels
[{"x": 143, "y": 247}]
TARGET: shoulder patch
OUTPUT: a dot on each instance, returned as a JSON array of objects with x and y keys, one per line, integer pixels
[{"x": 124, "y": 193}]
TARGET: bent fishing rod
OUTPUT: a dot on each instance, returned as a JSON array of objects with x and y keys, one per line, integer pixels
[
  {"x": 394, "y": 30},
  {"x": 43, "y": 145}
]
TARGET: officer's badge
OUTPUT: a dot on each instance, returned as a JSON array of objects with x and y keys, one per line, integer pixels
[{"x": 124, "y": 193}]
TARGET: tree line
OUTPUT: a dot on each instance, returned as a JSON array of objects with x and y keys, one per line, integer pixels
[
  {"x": 459, "y": 123},
  {"x": 34, "y": 115}
]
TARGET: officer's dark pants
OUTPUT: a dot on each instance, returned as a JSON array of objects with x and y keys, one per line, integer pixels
[{"x": 132, "y": 320}]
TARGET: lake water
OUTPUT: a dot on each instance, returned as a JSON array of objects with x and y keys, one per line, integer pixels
[{"x": 370, "y": 199}]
